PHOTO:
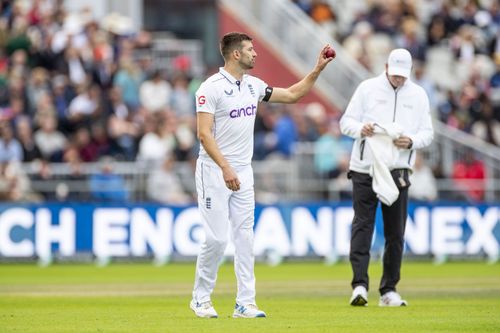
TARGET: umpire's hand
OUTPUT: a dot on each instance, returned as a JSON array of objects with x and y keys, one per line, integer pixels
[
  {"x": 403, "y": 142},
  {"x": 367, "y": 130}
]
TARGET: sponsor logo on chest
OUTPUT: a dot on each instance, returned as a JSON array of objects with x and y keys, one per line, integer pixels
[{"x": 246, "y": 111}]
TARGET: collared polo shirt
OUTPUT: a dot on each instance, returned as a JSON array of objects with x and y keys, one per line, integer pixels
[{"x": 234, "y": 106}]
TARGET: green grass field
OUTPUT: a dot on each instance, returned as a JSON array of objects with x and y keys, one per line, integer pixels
[{"x": 298, "y": 297}]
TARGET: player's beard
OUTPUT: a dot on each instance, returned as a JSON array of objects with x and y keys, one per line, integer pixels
[{"x": 246, "y": 65}]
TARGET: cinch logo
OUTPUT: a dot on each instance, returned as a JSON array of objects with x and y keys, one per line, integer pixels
[
  {"x": 201, "y": 100},
  {"x": 243, "y": 112}
]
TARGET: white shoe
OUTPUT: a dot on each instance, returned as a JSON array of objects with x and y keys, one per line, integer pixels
[
  {"x": 392, "y": 298},
  {"x": 359, "y": 296},
  {"x": 248, "y": 311},
  {"x": 203, "y": 310}
]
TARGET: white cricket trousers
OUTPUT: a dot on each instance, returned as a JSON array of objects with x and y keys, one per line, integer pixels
[{"x": 221, "y": 208}]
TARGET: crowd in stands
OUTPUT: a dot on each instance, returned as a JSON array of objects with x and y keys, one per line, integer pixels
[
  {"x": 75, "y": 90},
  {"x": 463, "y": 82},
  {"x": 455, "y": 45}
]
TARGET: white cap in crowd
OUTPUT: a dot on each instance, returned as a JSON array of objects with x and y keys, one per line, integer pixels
[{"x": 399, "y": 63}]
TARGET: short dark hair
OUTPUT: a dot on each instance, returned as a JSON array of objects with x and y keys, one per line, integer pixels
[{"x": 232, "y": 41}]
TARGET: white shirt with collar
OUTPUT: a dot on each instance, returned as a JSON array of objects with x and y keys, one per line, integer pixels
[{"x": 234, "y": 106}]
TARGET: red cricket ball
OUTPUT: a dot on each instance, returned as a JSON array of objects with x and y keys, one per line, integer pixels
[{"x": 330, "y": 53}]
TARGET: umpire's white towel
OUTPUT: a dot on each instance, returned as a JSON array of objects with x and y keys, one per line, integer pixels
[{"x": 384, "y": 153}]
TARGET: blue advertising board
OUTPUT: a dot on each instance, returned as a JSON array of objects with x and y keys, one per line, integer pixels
[{"x": 44, "y": 230}]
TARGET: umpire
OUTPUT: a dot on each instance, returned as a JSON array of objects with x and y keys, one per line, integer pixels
[{"x": 388, "y": 98}]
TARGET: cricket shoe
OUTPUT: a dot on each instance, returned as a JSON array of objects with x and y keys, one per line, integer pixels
[
  {"x": 248, "y": 311},
  {"x": 392, "y": 298},
  {"x": 359, "y": 296},
  {"x": 203, "y": 310}
]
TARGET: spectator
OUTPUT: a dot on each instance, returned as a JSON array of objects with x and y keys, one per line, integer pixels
[
  {"x": 122, "y": 128},
  {"x": 103, "y": 73},
  {"x": 485, "y": 126},
  {"x": 436, "y": 31},
  {"x": 103, "y": 68},
  {"x": 305, "y": 5},
  {"x": 321, "y": 11},
  {"x": 181, "y": 100},
  {"x": 74, "y": 67},
  {"x": 19, "y": 64},
  {"x": 18, "y": 39},
  {"x": 357, "y": 43},
  {"x": 79, "y": 181},
  {"x": 10, "y": 148},
  {"x": 82, "y": 142},
  {"x": 323, "y": 14},
  {"x": 264, "y": 137},
  {"x": 469, "y": 175},
  {"x": 185, "y": 140},
  {"x": 44, "y": 108},
  {"x": 15, "y": 185},
  {"x": 129, "y": 78},
  {"x": 315, "y": 115},
  {"x": 17, "y": 90},
  {"x": 37, "y": 87},
  {"x": 285, "y": 131},
  {"x": 494, "y": 91},
  {"x": 423, "y": 80},
  {"x": 5, "y": 183},
  {"x": 100, "y": 143},
  {"x": 411, "y": 39},
  {"x": 85, "y": 105},
  {"x": 385, "y": 17},
  {"x": 423, "y": 183},
  {"x": 48, "y": 140},
  {"x": 155, "y": 94},
  {"x": 164, "y": 185},
  {"x": 331, "y": 151},
  {"x": 62, "y": 95},
  {"x": 464, "y": 44},
  {"x": 74, "y": 187},
  {"x": 107, "y": 186},
  {"x": 305, "y": 124},
  {"x": 13, "y": 110},
  {"x": 44, "y": 176},
  {"x": 159, "y": 141},
  {"x": 25, "y": 135}
]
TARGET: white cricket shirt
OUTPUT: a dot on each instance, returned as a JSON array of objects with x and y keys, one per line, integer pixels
[{"x": 234, "y": 106}]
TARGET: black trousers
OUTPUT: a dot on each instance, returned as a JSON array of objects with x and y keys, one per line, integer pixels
[{"x": 365, "y": 203}]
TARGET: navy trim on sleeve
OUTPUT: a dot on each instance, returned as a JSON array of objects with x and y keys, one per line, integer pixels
[{"x": 269, "y": 92}]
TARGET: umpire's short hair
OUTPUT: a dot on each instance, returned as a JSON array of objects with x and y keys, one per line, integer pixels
[{"x": 232, "y": 41}]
